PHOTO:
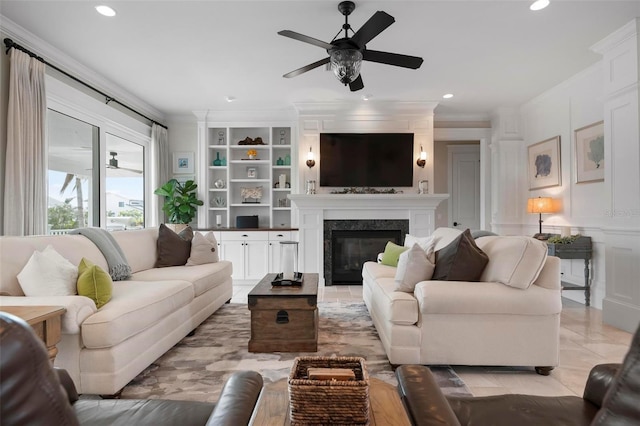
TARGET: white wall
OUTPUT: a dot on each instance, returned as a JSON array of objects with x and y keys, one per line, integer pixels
[
  {"x": 183, "y": 136},
  {"x": 571, "y": 105}
]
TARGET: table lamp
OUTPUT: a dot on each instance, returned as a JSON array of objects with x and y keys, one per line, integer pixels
[{"x": 541, "y": 205}]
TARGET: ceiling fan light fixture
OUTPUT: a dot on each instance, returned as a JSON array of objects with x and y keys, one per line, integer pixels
[
  {"x": 539, "y": 4},
  {"x": 345, "y": 64}
]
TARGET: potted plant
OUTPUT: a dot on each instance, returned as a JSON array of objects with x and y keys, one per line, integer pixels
[{"x": 180, "y": 202}]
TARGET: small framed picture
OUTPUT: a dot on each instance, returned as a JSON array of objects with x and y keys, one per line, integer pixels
[
  {"x": 544, "y": 164},
  {"x": 252, "y": 172},
  {"x": 183, "y": 163},
  {"x": 590, "y": 161}
]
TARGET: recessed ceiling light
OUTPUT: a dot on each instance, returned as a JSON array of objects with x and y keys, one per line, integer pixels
[
  {"x": 366, "y": 97},
  {"x": 230, "y": 98},
  {"x": 105, "y": 10},
  {"x": 448, "y": 96},
  {"x": 539, "y": 4}
]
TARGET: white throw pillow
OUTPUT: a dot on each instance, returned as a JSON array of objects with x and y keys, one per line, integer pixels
[
  {"x": 48, "y": 273},
  {"x": 426, "y": 243},
  {"x": 515, "y": 261},
  {"x": 413, "y": 266},
  {"x": 204, "y": 249}
]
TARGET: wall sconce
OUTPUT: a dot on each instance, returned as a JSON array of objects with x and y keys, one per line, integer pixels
[
  {"x": 541, "y": 205},
  {"x": 422, "y": 160},
  {"x": 310, "y": 159}
]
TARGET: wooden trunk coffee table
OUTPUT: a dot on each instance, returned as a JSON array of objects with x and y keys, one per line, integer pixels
[{"x": 284, "y": 319}]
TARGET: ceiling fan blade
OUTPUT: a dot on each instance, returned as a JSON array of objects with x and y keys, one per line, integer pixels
[
  {"x": 396, "y": 59},
  {"x": 301, "y": 37},
  {"x": 307, "y": 68},
  {"x": 374, "y": 26},
  {"x": 356, "y": 84},
  {"x": 131, "y": 170}
]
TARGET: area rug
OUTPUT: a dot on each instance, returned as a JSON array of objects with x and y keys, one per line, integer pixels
[{"x": 197, "y": 367}]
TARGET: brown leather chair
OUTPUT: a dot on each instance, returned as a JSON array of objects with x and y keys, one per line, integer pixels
[
  {"x": 32, "y": 392},
  {"x": 611, "y": 397}
]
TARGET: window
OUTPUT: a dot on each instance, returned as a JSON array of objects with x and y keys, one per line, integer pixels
[
  {"x": 103, "y": 155},
  {"x": 124, "y": 184},
  {"x": 72, "y": 179}
]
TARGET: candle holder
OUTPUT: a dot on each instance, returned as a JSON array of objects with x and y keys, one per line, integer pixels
[{"x": 288, "y": 265}]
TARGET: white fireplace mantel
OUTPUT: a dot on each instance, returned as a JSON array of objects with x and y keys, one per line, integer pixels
[
  {"x": 312, "y": 210},
  {"x": 367, "y": 201}
]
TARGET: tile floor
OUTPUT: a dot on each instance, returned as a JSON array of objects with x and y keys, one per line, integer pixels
[{"x": 584, "y": 342}]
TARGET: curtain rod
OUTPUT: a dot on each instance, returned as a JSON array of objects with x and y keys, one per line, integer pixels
[{"x": 11, "y": 44}]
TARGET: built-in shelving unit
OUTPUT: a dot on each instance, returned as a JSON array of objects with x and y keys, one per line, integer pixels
[{"x": 228, "y": 170}]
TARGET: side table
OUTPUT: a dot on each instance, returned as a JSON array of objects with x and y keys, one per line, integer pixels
[
  {"x": 581, "y": 248},
  {"x": 45, "y": 321}
]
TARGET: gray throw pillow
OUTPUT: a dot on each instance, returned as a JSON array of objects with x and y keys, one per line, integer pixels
[
  {"x": 461, "y": 260},
  {"x": 173, "y": 249}
]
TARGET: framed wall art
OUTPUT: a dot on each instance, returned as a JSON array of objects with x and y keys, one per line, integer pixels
[
  {"x": 590, "y": 162},
  {"x": 544, "y": 164},
  {"x": 183, "y": 163}
]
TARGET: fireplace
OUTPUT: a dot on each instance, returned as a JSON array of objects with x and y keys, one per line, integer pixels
[{"x": 350, "y": 243}]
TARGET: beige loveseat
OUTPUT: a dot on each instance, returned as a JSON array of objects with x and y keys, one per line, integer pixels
[
  {"x": 103, "y": 349},
  {"x": 471, "y": 323}
]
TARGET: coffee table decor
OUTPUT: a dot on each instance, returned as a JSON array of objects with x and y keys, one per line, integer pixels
[
  {"x": 334, "y": 402},
  {"x": 279, "y": 281}
]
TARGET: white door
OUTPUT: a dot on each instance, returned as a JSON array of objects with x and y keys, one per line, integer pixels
[{"x": 464, "y": 186}]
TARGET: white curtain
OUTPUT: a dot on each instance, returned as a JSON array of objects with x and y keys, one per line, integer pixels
[
  {"x": 160, "y": 146},
  {"x": 25, "y": 187}
]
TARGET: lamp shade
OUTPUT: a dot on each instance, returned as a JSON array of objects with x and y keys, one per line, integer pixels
[{"x": 541, "y": 205}]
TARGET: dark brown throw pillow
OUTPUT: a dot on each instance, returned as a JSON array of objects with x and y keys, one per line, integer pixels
[
  {"x": 173, "y": 249},
  {"x": 461, "y": 260}
]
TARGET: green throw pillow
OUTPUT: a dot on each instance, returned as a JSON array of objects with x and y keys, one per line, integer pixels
[
  {"x": 94, "y": 283},
  {"x": 392, "y": 253}
]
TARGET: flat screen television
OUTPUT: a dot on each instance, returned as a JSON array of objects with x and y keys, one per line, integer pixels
[{"x": 366, "y": 159}]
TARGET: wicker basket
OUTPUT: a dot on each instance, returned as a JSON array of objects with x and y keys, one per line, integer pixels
[{"x": 328, "y": 402}]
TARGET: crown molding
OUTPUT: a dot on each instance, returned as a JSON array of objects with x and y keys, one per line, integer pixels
[
  {"x": 248, "y": 115},
  {"x": 616, "y": 38},
  {"x": 367, "y": 108},
  {"x": 68, "y": 64}
]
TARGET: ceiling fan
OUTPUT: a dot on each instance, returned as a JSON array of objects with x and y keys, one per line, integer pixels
[
  {"x": 346, "y": 54},
  {"x": 113, "y": 163}
]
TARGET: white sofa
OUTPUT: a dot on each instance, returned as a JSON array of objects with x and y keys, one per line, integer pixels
[
  {"x": 469, "y": 323},
  {"x": 103, "y": 349}
]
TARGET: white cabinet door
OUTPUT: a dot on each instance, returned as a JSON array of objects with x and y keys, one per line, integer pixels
[
  {"x": 233, "y": 251},
  {"x": 256, "y": 261},
  {"x": 274, "y": 248}
]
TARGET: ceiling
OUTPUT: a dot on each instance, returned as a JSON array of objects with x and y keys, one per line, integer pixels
[{"x": 181, "y": 56}]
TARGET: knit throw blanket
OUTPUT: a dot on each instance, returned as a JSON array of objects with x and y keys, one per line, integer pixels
[{"x": 119, "y": 269}]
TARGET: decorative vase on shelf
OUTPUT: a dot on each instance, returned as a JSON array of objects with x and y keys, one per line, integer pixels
[
  {"x": 287, "y": 160},
  {"x": 217, "y": 161},
  {"x": 252, "y": 157},
  {"x": 280, "y": 162},
  {"x": 223, "y": 161}
]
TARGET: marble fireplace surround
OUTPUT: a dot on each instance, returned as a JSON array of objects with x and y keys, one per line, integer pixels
[
  {"x": 310, "y": 212},
  {"x": 331, "y": 227}
]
